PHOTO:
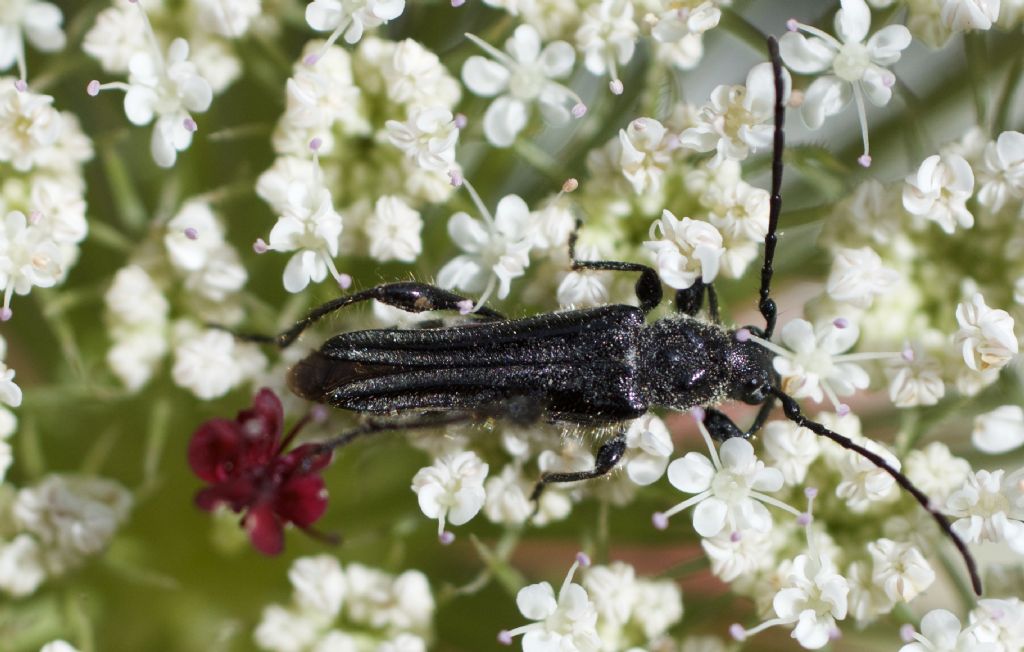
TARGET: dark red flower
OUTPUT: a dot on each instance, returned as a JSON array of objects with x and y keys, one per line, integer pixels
[{"x": 247, "y": 469}]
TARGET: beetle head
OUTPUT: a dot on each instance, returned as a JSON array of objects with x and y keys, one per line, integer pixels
[{"x": 750, "y": 368}]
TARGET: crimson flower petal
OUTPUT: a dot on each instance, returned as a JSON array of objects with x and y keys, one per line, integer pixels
[
  {"x": 302, "y": 500},
  {"x": 216, "y": 450},
  {"x": 265, "y": 530}
]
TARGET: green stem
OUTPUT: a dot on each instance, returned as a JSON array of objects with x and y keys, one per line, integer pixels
[
  {"x": 1013, "y": 80},
  {"x": 129, "y": 205},
  {"x": 975, "y": 51},
  {"x": 738, "y": 26}
]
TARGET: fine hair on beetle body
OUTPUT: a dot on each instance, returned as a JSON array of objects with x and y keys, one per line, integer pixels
[{"x": 595, "y": 368}]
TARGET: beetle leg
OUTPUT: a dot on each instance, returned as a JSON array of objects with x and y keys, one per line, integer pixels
[
  {"x": 721, "y": 427},
  {"x": 406, "y": 295},
  {"x": 648, "y": 286},
  {"x": 608, "y": 457},
  {"x": 690, "y": 300}
]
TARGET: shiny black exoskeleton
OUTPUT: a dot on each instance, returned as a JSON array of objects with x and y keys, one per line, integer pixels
[{"x": 596, "y": 367}]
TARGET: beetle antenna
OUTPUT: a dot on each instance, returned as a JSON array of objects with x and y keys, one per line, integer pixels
[
  {"x": 793, "y": 413},
  {"x": 766, "y": 304}
]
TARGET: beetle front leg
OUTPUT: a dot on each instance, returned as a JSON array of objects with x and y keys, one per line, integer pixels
[
  {"x": 409, "y": 296},
  {"x": 608, "y": 457},
  {"x": 721, "y": 427},
  {"x": 690, "y": 300}
]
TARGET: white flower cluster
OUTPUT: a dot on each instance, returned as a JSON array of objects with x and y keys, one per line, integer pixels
[
  {"x": 355, "y": 608},
  {"x": 399, "y": 96},
  {"x": 994, "y": 625},
  {"x": 195, "y": 262},
  {"x": 165, "y": 87},
  {"x": 120, "y": 32},
  {"x": 42, "y": 205},
  {"x": 53, "y": 526},
  {"x": 611, "y": 610},
  {"x": 936, "y": 21},
  {"x": 41, "y": 23}
]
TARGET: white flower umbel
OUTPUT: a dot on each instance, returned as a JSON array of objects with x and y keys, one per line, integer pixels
[
  {"x": 999, "y": 431},
  {"x": 211, "y": 362},
  {"x": 738, "y": 119},
  {"x": 733, "y": 554},
  {"x": 998, "y": 623},
  {"x": 939, "y": 190},
  {"x": 985, "y": 512},
  {"x": 565, "y": 623},
  {"x": 729, "y": 488},
  {"x": 986, "y": 338},
  {"x": 963, "y": 15},
  {"x": 10, "y": 393},
  {"x": 672, "y": 21},
  {"x": 428, "y": 137},
  {"x": 29, "y": 258},
  {"x": 30, "y": 128},
  {"x": 646, "y": 148},
  {"x": 814, "y": 365},
  {"x": 497, "y": 248},
  {"x": 22, "y": 567},
  {"x": 790, "y": 449},
  {"x": 310, "y": 227},
  {"x": 451, "y": 490},
  {"x": 349, "y": 17},
  {"x": 607, "y": 37},
  {"x": 648, "y": 446},
  {"x": 39, "y": 22},
  {"x": 685, "y": 250},
  {"x": 318, "y": 584},
  {"x": 518, "y": 77},
  {"x": 915, "y": 378},
  {"x": 936, "y": 471},
  {"x": 941, "y": 632},
  {"x": 858, "y": 69},
  {"x": 813, "y": 595},
  {"x": 863, "y": 483},
  {"x": 394, "y": 230},
  {"x": 168, "y": 88},
  {"x": 858, "y": 276},
  {"x": 72, "y": 516},
  {"x": 1001, "y": 171},
  {"x": 900, "y": 569}
]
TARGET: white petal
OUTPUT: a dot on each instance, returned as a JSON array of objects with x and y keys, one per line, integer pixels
[
  {"x": 887, "y": 44},
  {"x": 736, "y": 454},
  {"x": 691, "y": 473},
  {"x": 469, "y": 234},
  {"x": 709, "y": 517},
  {"x": 536, "y": 601},
  {"x": 138, "y": 104},
  {"x": 806, "y": 56},
  {"x": 524, "y": 46},
  {"x": 826, "y": 96},
  {"x": 505, "y": 118},
  {"x": 484, "y": 77},
  {"x": 557, "y": 59},
  {"x": 874, "y": 84},
  {"x": 853, "y": 21}
]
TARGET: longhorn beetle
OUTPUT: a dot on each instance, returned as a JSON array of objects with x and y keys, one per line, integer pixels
[{"x": 592, "y": 367}]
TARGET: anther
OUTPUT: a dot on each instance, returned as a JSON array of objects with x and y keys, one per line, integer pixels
[
  {"x": 6, "y": 314},
  {"x": 34, "y": 216},
  {"x": 570, "y": 185},
  {"x": 190, "y": 125},
  {"x": 803, "y": 520},
  {"x": 811, "y": 492},
  {"x": 458, "y": 3},
  {"x": 737, "y": 632},
  {"x": 841, "y": 322},
  {"x": 579, "y": 110},
  {"x": 615, "y": 86},
  {"x": 445, "y": 538},
  {"x": 907, "y": 632},
  {"x": 318, "y": 413},
  {"x": 465, "y": 306},
  {"x": 842, "y": 409},
  {"x": 582, "y": 559},
  {"x": 742, "y": 335},
  {"x": 344, "y": 281},
  {"x": 455, "y": 177},
  {"x": 659, "y": 520},
  {"x": 260, "y": 246},
  {"x": 907, "y": 353},
  {"x": 20, "y": 85},
  {"x": 792, "y": 25},
  {"x": 736, "y": 536},
  {"x": 93, "y": 88},
  {"x": 191, "y": 233},
  {"x": 864, "y": 160},
  {"x": 311, "y": 59},
  {"x": 316, "y": 144},
  {"x": 461, "y": 120},
  {"x": 698, "y": 414},
  {"x": 504, "y": 636}
]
